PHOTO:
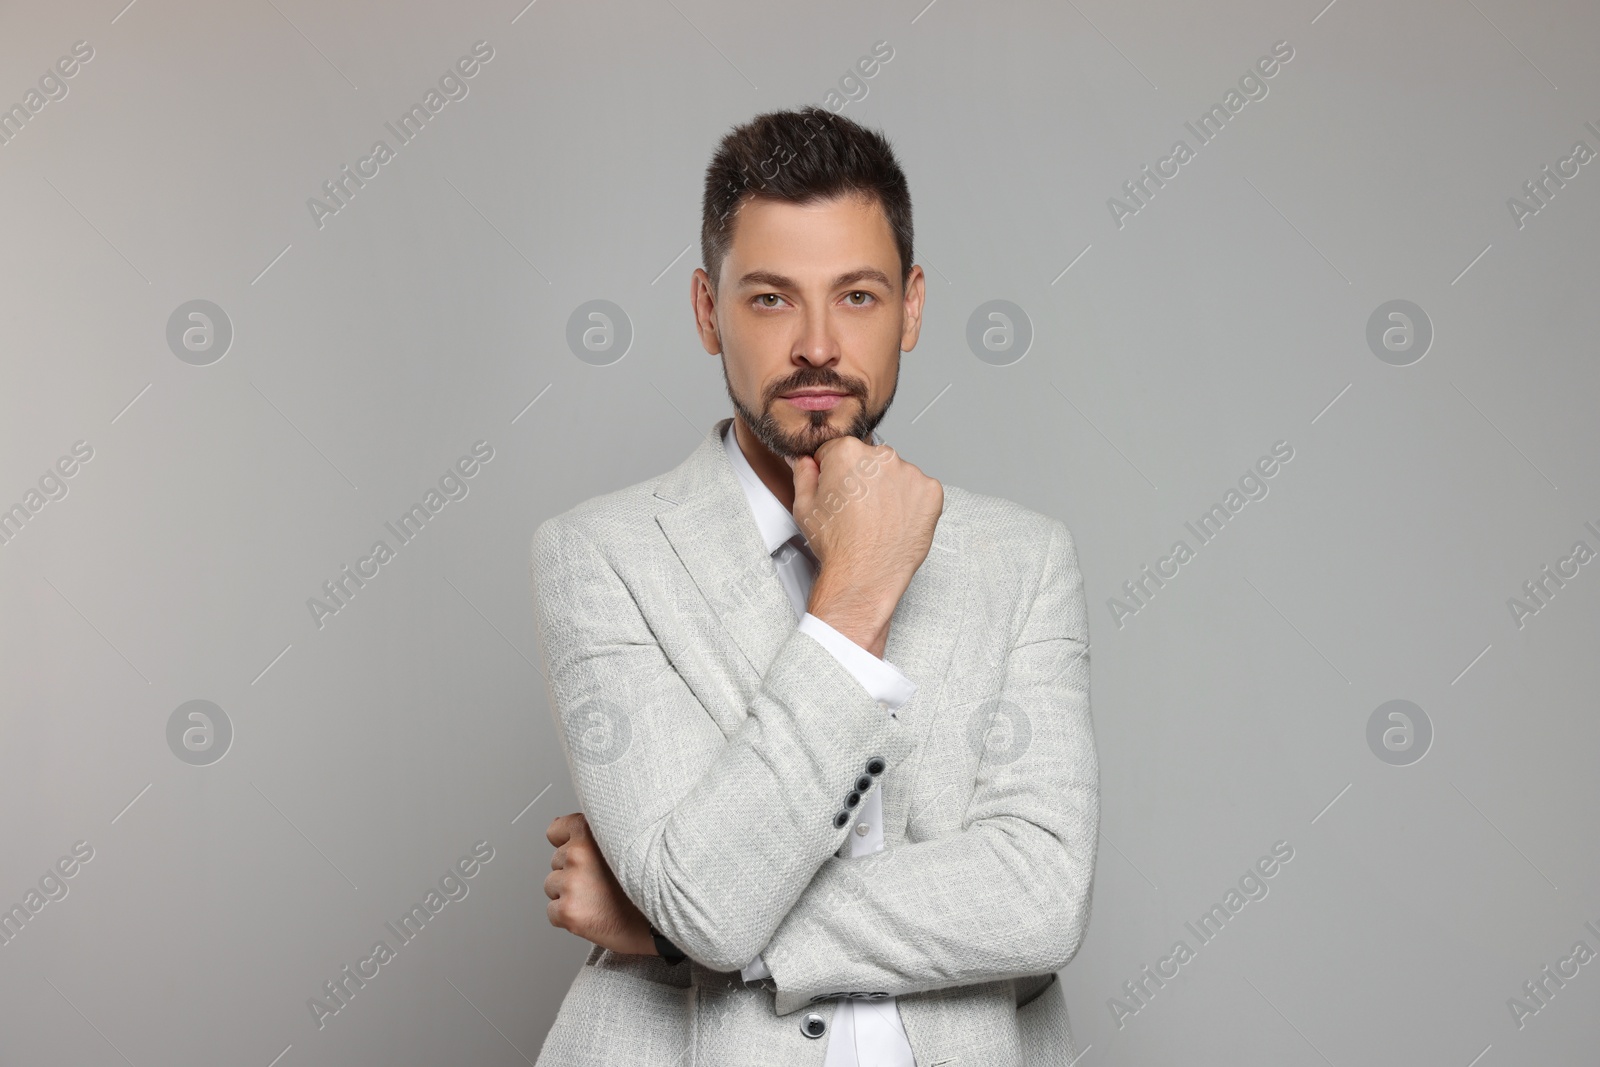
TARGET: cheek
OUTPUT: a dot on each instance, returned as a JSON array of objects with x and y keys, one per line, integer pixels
[
  {"x": 882, "y": 372},
  {"x": 746, "y": 370}
]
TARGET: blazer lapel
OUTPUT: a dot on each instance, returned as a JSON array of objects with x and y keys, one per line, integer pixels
[{"x": 711, "y": 529}]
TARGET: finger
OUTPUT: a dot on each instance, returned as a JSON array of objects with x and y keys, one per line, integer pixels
[
  {"x": 805, "y": 483},
  {"x": 553, "y": 884},
  {"x": 559, "y": 830},
  {"x": 558, "y": 859},
  {"x": 828, "y": 447}
]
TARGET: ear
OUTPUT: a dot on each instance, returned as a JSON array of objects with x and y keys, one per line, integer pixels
[
  {"x": 703, "y": 302},
  {"x": 912, "y": 309}
]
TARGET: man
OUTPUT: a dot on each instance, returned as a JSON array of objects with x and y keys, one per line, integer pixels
[{"x": 828, "y": 720}]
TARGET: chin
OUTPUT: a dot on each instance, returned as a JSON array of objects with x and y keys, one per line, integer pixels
[
  {"x": 813, "y": 435},
  {"x": 794, "y": 434}
]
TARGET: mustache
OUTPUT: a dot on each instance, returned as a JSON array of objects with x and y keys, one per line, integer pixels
[{"x": 817, "y": 378}]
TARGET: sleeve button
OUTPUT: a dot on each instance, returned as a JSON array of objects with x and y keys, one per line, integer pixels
[
  {"x": 875, "y": 765},
  {"x": 840, "y": 819}
]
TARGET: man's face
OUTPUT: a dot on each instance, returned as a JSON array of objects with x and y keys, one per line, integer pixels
[{"x": 810, "y": 319}]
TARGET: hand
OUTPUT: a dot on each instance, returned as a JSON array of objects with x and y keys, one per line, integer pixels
[
  {"x": 585, "y": 897},
  {"x": 869, "y": 517}
]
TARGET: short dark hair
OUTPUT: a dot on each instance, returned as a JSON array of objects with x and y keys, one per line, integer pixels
[{"x": 801, "y": 156}]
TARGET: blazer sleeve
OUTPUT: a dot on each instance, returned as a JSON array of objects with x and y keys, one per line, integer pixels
[
  {"x": 1009, "y": 894},
  {"x": 712, "y": 837}
]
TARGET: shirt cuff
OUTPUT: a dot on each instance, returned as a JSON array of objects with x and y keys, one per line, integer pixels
[
  {"x": 880, "y": 678},
  {"x": 755, "y": 969}
]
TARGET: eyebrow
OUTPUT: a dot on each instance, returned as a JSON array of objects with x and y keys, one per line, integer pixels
[{"x": 780, "y": 281}]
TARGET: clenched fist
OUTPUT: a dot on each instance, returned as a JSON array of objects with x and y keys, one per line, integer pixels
[
  {"x": 869, "y": 517},
  {"x": 585, "y": 896}
]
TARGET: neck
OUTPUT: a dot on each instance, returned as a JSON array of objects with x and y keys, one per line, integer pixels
[{"x": 771, "y": 468}]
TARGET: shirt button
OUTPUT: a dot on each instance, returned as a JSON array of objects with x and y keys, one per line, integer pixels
[
  {"x": 883, "y": 705},
  {"x": 813, "y": 1025},
  {"x": 862, "y": 829}
]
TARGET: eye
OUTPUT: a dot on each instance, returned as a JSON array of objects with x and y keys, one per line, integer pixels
[
  {"x": 859, "y": 292},
  {"x": 760, "y": 300}
]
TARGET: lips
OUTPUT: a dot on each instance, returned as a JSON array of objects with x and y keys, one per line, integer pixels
[{"x": 816, "y": 401}]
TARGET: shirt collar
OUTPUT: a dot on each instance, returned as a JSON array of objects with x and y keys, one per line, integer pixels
[{"x": 772, "y": 518}]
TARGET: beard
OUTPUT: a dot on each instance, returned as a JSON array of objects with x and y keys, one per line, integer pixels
[{"x": 818, "y": 429}]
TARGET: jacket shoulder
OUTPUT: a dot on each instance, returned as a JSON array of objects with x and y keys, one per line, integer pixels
[
  {"x": 996, "y": 526},
  {"x": 608, "y": 521},
  {"x": 1022, "y": 556}
]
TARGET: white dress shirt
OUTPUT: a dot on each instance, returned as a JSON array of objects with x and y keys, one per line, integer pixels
[{"x": 865, "y": 1033}]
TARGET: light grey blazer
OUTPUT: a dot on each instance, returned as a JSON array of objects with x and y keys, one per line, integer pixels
[{"x": 713, "y": 746}]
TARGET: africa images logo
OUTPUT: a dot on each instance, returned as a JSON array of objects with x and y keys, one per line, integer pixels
[
  {"x": 1252, "y": 86},
  {"x": 342, "y": 589},
  {"x": 338, "y": 991},
  {"x": 1252, "y": 886},
  {"x": 52, "y": 86},
  {"x": 1253, "y": 486},
  {"x": 452, "y": 84}
]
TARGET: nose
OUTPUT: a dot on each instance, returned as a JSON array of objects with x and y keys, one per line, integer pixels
[{"x": 818, "y": 344}]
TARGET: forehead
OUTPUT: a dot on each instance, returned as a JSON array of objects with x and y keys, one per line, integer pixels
[{"x": 779, "y": 234}]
